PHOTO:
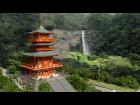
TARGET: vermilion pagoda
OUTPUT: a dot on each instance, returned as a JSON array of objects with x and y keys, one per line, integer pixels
[{"x": 40, "y": 62}]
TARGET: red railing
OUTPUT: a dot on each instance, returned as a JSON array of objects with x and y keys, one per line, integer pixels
[
  {"x": 41, "y": 40},
  {"x": 42, "y": 49},
  {"x": 36, "y": 67}
]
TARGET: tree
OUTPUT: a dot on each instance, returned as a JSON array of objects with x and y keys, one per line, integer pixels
[
  {"x": 12, "y": 25},
  {"x": 118, "y": 34},
  {"x": 128, "y": 81}
]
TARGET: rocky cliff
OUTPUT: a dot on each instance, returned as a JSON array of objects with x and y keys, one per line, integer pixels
[{"x": 70, "y": 40}]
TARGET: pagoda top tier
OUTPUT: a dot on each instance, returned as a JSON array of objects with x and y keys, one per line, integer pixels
[{"x": 41, "y": 30}]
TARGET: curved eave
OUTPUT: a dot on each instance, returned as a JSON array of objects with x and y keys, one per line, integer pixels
[
  {"x": 41, "y": 44},
  {"x": 42, "y": 54},
  {"x": 44, "y": 33}
]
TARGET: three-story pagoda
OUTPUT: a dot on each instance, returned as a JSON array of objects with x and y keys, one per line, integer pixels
[{"x": 40, "y": 62}]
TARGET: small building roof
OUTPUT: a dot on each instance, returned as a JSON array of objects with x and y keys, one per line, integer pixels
[{"x": 44, "y": 53}]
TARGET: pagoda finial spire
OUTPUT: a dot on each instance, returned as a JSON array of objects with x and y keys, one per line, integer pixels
[{"x": 41, "y": 21}]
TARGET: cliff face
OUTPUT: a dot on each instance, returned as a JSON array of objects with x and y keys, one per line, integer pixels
[
  {"x": 66, "y": 39},
  {"x": 73, "y": 39}
]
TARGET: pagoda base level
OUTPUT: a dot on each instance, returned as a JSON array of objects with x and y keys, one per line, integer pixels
[
  {"x": 50, "y": 76},
  {"x": 42, "y": 74}
]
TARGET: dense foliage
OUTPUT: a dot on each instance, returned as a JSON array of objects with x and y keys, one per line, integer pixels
[
  {"x": 7, "y": 85},
  {"x": 14, "y": 28},
  {"x": 115, "y": 51},
  {"x": 117, "y": 34},
  {"x": 81, "y": 84},
  {"x": 44, "y": 87},
  {"x": 78, "y": 83},
  {"x": 110, "y": 69}
]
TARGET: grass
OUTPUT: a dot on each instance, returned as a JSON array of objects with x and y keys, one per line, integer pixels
[
  {"x": 110, "y": 86},
  {"x": 7, "y": 84}
]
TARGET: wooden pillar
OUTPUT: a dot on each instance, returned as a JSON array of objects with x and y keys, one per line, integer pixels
[
  {"x": 63, "y": 71},
  {"x": 41, "y": 73},
  {"x": 30, "y": 72},
  {"x": 25, "y": 72}
]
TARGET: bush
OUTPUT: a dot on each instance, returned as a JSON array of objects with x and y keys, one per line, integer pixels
[
  {"x": 44, "y": 86},
  {"x": 102, "y": 76},
  {"x": 118, "y": 66},
  {"x": 78, "y": 83},
  {"x": 111, "y": 80},
  {"x": 135, "y": 59},
  {"x": 12, "y": 69},
  {"x": 85, "y": 73},
  {"x": 14, "y": 62},
  {"x": 92, "y": 89},
  {"x": 105, "y": 68},
  {"x": 128, "y": 81},
  {"x": 121, "y": 71},
  {"x": 7, "y": 85},
  {"x": 118, "y": 61},
  {"x": 11, "y": 87}
]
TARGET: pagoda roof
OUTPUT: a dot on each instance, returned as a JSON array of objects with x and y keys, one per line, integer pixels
[
  {"x": 41, "y": 44},
  {"x": 41, "y": 29},
  {"x": 44, "y": 53}
]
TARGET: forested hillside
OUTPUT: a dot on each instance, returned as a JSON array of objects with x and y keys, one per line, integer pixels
[
  {"x": 115, "y": 50},
  {"x": 14, "y": 28}
]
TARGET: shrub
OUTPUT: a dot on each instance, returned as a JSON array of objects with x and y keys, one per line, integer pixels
[
  {"x": 12, "y": 69},
  {"x": 14, "y": 61},
  {"x": 135, "y": 60},
  {"x": 102, "y": 76},
  {"x": 78, "y": 83},
  {"x": 118, "y": 61},
  {"x": 84, "y": 73},
  {"x": 92, "y": 89},
  {"x": 44, "y": 86},
  {"x": 128, "y": 81},
  {"x": 118, "y": 66},
  {"x": 111, "y": 80},
  {"x": 134, "y": 57},
  {"x": 11, "y": 87},
  {"x": 7, "y": 85}
]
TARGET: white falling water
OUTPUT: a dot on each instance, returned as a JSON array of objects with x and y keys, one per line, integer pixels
[{"x": 85, "y": 44}]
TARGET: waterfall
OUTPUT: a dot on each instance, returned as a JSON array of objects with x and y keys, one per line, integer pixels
[{"x": 85, "y": 44}]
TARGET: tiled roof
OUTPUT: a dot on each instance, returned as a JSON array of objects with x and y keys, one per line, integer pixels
[
  {"x": 45, "y": 53},
  {"x": 41, "y": 44},
  {"x": 41, "y": 29}
]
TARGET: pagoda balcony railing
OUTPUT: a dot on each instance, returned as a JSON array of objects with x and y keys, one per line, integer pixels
[
  {"x": 42, "y": 49},
  {"x": 39, "y": 66},
  {"x": 41, "y": 40}
]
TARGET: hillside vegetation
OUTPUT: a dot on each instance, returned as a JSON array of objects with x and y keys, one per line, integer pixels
[
  {"x": 118, "y": 70},
  {"x": 7, "y": 84},
  {"x": 115, "y": 52}
]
